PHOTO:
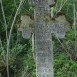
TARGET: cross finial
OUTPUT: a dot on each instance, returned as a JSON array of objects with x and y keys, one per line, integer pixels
[{"x": 40, "y": 2}]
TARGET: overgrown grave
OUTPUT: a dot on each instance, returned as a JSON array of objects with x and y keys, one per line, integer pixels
[{"x": 42, "y": 28}]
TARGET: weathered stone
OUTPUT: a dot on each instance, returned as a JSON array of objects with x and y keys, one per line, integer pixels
[
  {"x": 41, "y": 2},
  {"x": 26, "y": 26},
  {"x": 26, "y": 33},
  {"x": 43, "y": 42},
  {"x": 43, "y": 28}
]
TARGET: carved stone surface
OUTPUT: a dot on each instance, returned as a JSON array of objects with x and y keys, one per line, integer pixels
[
  {"x": 25, "y": 26},
  {"x": 26, "y": 33},
  {"x": 44, "y": 50},
  {"x": 43, "y": 27},
  {"x": 41, "y": 2},
  {"x": 59, "y": 29},
  {"x": 43, "y": 41}
]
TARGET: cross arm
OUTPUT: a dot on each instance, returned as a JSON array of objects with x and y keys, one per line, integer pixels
[
  {"x": 25, "y": 26},
  {"x": 59, "y": 26},
  {"x": 59, "y": 29}
]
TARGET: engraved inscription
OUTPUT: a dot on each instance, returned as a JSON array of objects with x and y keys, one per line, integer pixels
[
  {"x": 42, "y": 33},
  {"x": 59, "y": 29},
  {"x": 43, "y": 41}
]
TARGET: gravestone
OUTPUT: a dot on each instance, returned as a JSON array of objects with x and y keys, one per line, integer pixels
[{"x": 43, "y": 28}]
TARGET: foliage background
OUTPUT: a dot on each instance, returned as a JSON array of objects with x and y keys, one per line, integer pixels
[{"x": 21, "y": 61}]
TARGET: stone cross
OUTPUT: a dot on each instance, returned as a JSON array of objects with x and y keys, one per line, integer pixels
[{"x": 43, "y": 28}]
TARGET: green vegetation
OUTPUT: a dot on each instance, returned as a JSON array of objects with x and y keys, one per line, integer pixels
[{"x": 21, "y": 60}]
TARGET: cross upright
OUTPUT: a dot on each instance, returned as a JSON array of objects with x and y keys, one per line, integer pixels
[
  {"x": 43, "y": 41},
  {"x": 41, "y": 7},
  {"x": 43, "y": 28}
]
